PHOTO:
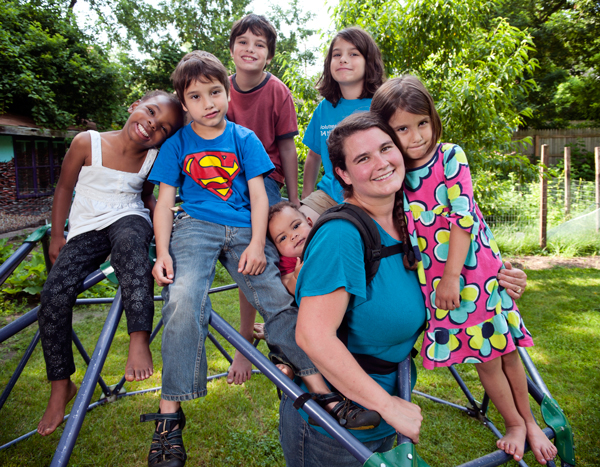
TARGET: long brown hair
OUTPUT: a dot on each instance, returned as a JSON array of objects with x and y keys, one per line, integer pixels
[
  {"x": 355, "y": 123},
  {"x": 407, "y": 93},
  {"x": 374, "y": 71}
]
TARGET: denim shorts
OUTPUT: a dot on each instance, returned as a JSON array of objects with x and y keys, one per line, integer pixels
[
  {"x": 195, "y": 247},
  {"x": 303, "y": 446}
]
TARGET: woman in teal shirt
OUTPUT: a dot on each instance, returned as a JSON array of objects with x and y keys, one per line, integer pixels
[{"x": 384, "y": 318}]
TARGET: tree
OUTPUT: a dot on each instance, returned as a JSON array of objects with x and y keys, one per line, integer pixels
[
  {"x": 474, "y": 74},
  {"x": 474, "y": 67},
  {"x": 566, "y": 34},
  {"x": 49, "y": 69}
]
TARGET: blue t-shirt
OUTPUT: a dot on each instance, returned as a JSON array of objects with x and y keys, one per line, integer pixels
[
  {"x": 385, "y": 318},
  {"x": 324, "y": 119},
  {"x": 212, "y": 174}
]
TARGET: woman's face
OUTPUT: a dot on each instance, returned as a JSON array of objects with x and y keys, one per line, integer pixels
[{"x": 374, "y": 165}]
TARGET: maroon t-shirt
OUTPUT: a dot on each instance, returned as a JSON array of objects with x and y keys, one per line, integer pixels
[{"x": 268, "y": 110}]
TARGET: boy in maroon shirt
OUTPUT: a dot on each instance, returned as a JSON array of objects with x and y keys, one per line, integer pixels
[{"x": 262, "y": 103}]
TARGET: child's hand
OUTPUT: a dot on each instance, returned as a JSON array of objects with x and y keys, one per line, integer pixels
[
  {"x": 56, "y": 244},
  {"x": 299, "y": 264},
  {"x": 163, "y": 270},
  {"x": 447, "y": 294},
  {"x": 253, "y": 261}
]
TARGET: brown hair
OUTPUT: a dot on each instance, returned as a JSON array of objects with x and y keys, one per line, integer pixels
[
  {"x": 198, "y": 66},
  {"x": 260, "y": 26},
  {"x": 277, "y": 208},
  {"x": 374, "y": 71},
  {"x": 355, "y": 123},
  {"x": 407, "y": 93}
]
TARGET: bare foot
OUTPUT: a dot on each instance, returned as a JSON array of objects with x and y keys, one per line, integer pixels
[
  {"x": 259, "y": 331},
  {"x": 513, "y": 442},
  {"x": 240, "y": 370},
  {"x": 286, "y": 370},
  {"x": 543, "y": 449},
  {"x": 61, "y": 393},
  {"x": 139, "y": 362}
]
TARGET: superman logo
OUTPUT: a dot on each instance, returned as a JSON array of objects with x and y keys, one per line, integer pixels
[{"x": 213, "y": 170}]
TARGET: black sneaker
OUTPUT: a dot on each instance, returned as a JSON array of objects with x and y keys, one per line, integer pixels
[{"x": 348, "y": 414}]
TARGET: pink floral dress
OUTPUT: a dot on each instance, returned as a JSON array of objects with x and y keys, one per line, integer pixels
[{"x": 487, "y": 324}]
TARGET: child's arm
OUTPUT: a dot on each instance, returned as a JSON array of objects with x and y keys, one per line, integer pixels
[
  {"x": 148, "y": 197},
  {"x": 311, "y": 171},
  {"x": 163, "y": 225},
  {"x": 460, "y": 194},
  {"x": 289, "y": 280},
  {"x": 447, "y": 293},
  {"x": 75, "y": 158},
  {"x": 253, "y": 260},
  {"x": 289, "y": 163}
]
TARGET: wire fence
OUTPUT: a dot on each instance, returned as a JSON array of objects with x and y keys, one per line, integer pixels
[{"x": 519, "y": 205}]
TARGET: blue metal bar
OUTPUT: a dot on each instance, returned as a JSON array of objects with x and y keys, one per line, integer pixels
[
  {"x": 19, "y": 324},
  {"x": 7, "y": 268},
  {"x": 221, "y": 349},
  {"x": 442, "y": 401},
  {"x": 485, "y": 403},
  {"x": 105, "y": 300},
  {"x": 13, "y": 380},
  {"x": 355, "y": 447},
  {"x": 464, "y": 388},
  {"x": 31, "y": 316},
  {"x": 69, "y": 436},
  {"x": 86, "y": 359},
  {"x": 533, "y": 372},
  {"x": 404, "y": 390}
]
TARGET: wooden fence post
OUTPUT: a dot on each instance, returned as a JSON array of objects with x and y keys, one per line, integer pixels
[
  {"x": 597, "y": 154},
  {"x": 543, "y": 195},
  {"x": 567, "y": 182},
  {"x": 536, "y": 148}
]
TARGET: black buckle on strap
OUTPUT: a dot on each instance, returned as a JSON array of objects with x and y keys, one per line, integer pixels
[{"x": 302, "y": 399}]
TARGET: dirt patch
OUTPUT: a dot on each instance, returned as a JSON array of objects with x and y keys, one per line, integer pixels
[{"x": 548, "y": 262}]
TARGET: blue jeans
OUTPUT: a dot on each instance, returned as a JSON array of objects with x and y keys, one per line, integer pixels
[
  {"x": 273, "y": 191},
  {"x": 195, "y": 247},
  {"x": 303, "y": 446}
]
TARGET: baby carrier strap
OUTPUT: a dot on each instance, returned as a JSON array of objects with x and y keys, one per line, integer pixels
[
  {"x": 374, "y": 253},
  {"x": 369, "y": 233}
]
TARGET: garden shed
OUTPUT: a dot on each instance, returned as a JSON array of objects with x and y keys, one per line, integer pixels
[{"x": 30, "y": 161}]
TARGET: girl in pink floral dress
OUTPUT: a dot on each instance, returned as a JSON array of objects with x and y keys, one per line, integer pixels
[{"x": 470, "y": 318}]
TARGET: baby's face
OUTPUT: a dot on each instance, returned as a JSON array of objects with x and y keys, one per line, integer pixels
[{"x": 289, "y": 230}]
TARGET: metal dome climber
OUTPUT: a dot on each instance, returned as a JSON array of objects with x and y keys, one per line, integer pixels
[{"x": 403, "y": 455}]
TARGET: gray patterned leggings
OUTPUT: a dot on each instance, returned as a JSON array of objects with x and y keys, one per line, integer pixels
[{"x": 127, "y": 241}]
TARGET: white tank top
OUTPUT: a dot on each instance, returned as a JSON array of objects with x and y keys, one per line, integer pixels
[{"x": 103, "y": 195}]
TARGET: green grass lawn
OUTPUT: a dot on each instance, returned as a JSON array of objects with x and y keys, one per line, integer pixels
[{"x": 238, "y": 425}]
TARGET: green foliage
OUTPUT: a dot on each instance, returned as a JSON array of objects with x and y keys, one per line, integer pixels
[
  {"x": 27, "y": 280},
  {"x": 474, "y": 73},
  {"x": 288, "y": 57},
  {"x": 567, "y": 48},
  {"x": 29, "y": 277},
  {"x": 50, "y": 70}
]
